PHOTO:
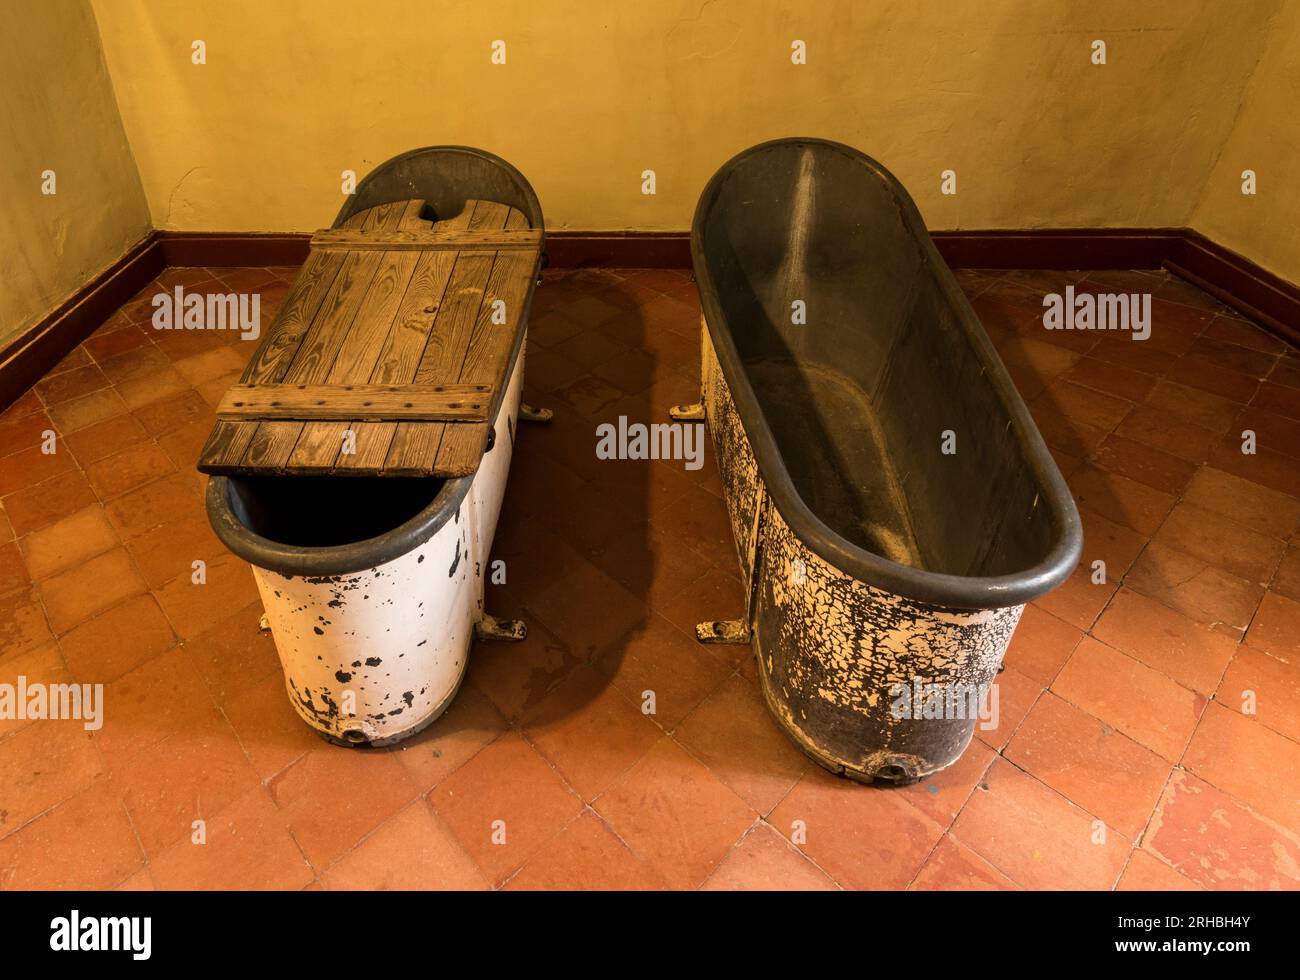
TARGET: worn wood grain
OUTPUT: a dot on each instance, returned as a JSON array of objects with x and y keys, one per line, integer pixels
[
  {"x": 489, "y": 219},
  {"x": 444, "y": 354},
  {"x": 396, "y": 241},
  {"x": 403, "y": 347},
  {"x": 326, "y": 337},
  {"x": 386, "y": 304},
  {"x": 361, "y": 346},
  {"x": 289, "y": 401},
  {"x": 487, "y": 356}
]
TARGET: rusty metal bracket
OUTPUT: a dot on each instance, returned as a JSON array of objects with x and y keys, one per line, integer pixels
[
  {"x": 687, "y": 413},
  {"x": 723, "y": 631},
  {"x": 493, "y": 628},
  {"x": 739, "y": 630},
  {"x": 530, "y": 413}
]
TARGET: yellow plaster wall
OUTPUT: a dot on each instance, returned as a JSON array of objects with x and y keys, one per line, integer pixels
[
  {"x": 57, "y": 113},
  {"x": 1265, "y": 226},
  {"x": 593, "y": 93}
]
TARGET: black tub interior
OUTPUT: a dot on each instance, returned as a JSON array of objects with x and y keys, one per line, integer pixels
[
  {"x": 858, "y": 397},
  {"x": 323, "y": 512}
]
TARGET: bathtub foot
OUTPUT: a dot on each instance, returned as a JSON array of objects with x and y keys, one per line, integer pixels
[
  {"x": 723, "y": 631},
  {"x": 264, "y": 624},
  {"x": 530, "y": 413},
  {"x": 492, "y": 628},
  {"x": 687, "y": 413}
]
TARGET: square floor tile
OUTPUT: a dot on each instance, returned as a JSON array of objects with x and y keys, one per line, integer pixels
[
  {"x": 1089, "y": 763},
  {"x": 674, "y": 813},
  {"x": 1036, "y": 837},
  {"x": 1142, "y": 703},
  {"x": 864, "y": 837},
  {"x": 504, "y": 805},
  {"x": 1217, "y": 842}
]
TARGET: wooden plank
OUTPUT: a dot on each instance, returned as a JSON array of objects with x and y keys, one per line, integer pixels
[
  {"x": 226, "y": 445},
  {"x": 499, "y": 320},
  {"x": 318, "y": 446},
  {"x": 271, "y": 449},
  {"x": 444, "y": 353},
  {"x": 370, "y": 447},
  {"x": 277, "y": 349},
  {"x": 489, "y": 346},
  {"x": 408, "y": 219},
  {"x": 457, "y": 223},
  {"x": 412, "y": 324},
  {"x": 327, "y": 334},
  {"x": 271, "y": 446},
  {"x": 286, "y": 401},
  {"x": 371, "y": 439},
  {"x": 449, "y": 339},
  {"x": 413, "y": 448},
  {"x": 422, "y": 317},
  {"x": 461, "y": 448},
  {"x": 490, "y": 216},
  {"x": 358, "y": 221},
  {"x": 487, "y": 359},
  {"x": 365, "y": 342},
  {"x": 361, "y": 348},
  {"x": 385, "y": 217},
  {"x": 229, "y": 440},
  {"x": 402, "y": 348},
  {"x": 336, "y": 239},
  {"x": 318, "y": 348}
]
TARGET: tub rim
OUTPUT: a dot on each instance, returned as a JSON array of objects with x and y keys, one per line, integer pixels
[
  {"x": 528, "y": 205},
  {"x": 359, "y": 200},
  {"x": 342, "y": 559},
  {"x": 357, "y": 556},
  {"x": 935, "y": 588}
]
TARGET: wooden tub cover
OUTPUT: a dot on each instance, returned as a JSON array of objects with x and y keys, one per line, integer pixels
[{"x": 398, "y": 330}]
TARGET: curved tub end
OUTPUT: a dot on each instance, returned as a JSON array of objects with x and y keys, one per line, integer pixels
[
  {"x": 883, "y": 767},
  {"x": 360, "y": 738}
]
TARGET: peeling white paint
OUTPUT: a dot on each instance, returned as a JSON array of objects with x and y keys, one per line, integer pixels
[
  {"x": 375, "y": 656},
  {"x": 829, "y": 647}
]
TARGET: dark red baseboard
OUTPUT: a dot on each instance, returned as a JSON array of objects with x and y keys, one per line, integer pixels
[
  {"x": 1068, "y": 248},
  {"x": 618, "y": 249},
  {"x": 27, "y": 358},
  {"x": 1229, "y": 277},
  {"x": 1266, "y": 298},
  {"x": 1057, "y": 248},
  {"x": 1233, "y": 279},
  {"x": 223, "y": 249},
  {"x": 564, "y": 249}
]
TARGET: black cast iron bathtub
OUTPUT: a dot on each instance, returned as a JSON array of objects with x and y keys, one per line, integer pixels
[{"x": 892, "y": 502}]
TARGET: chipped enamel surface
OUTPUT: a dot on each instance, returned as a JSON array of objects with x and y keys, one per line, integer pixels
[
  {"x": 374, "y": 656},
  {"x": 735, "y": 459},
  {"x": 830, "y": 647}
]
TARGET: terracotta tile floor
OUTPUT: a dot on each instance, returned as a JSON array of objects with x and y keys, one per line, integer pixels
[{"x": 1150, "y": 726}]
